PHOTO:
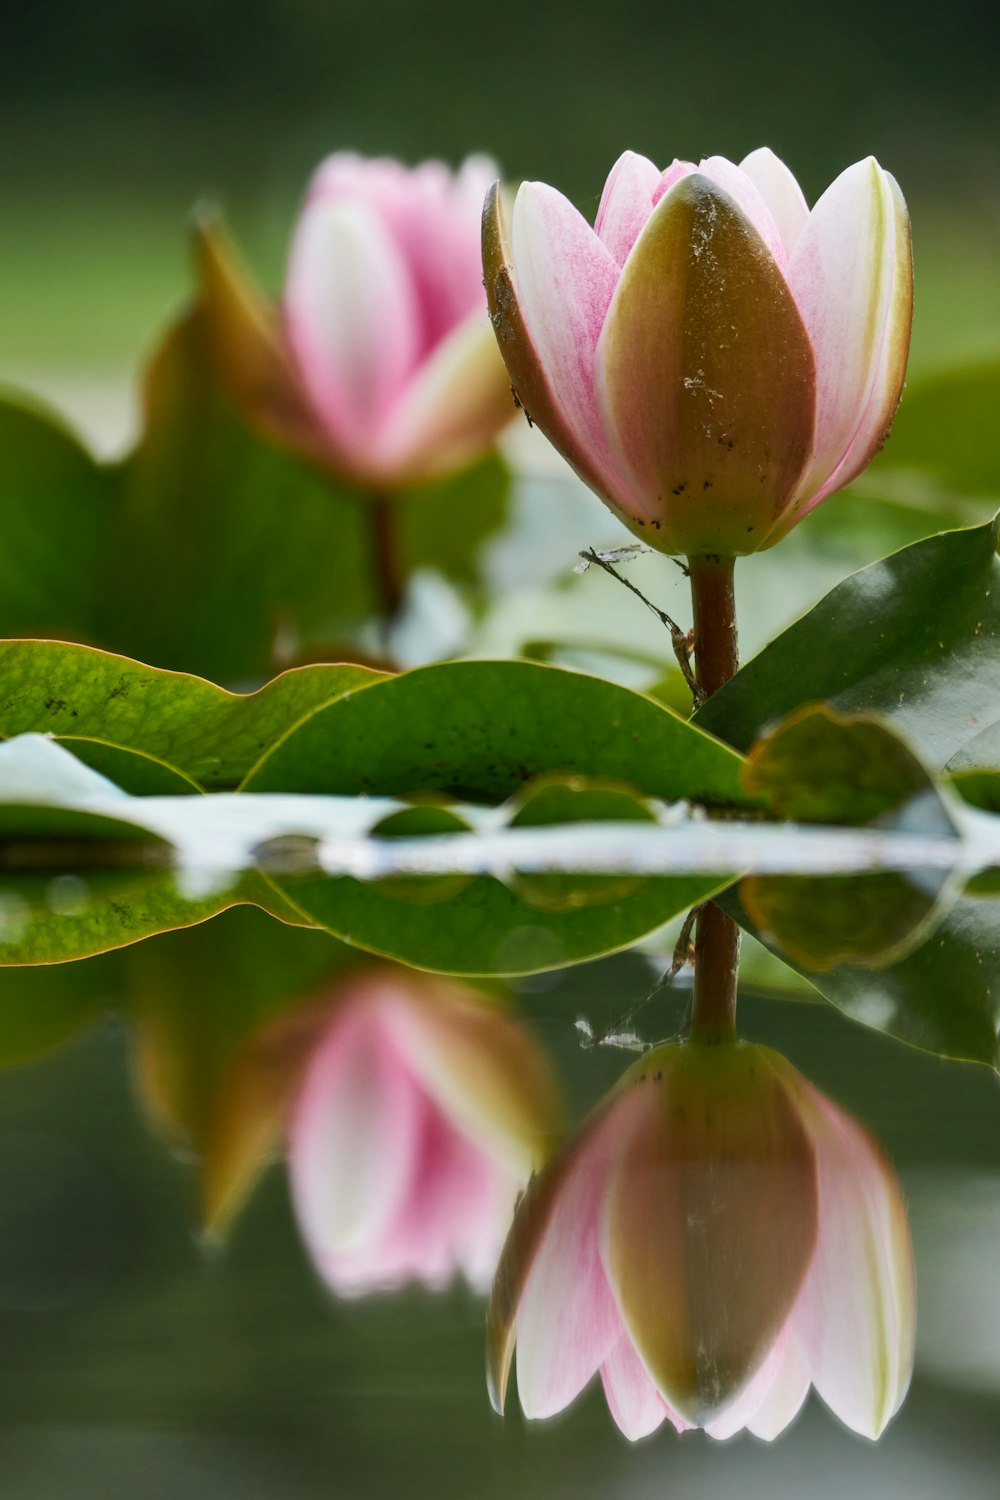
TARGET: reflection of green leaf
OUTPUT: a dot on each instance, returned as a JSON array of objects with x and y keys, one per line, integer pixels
[
  {"x": 823, "y": 921},
  {"x": 548, "y": 801},
  {"x": 52, "y": 918},
  {"x": 199, "y": 994},
  {"x": 979, "y": 788},
  {"x": 488, "y": 928},
  {"x": 43, "y": 1007},
  {"x": 818, "y": 766},
  {"x": 198, "y": 730},
  {"x": 479, "y": 729},
  {"x": 914, "y": 639},
  {"x": 943, "y": 996}
]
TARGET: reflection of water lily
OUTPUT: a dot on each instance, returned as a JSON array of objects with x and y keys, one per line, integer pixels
[
  {"x": 421, "y": 1114},
  {"x": 717, "y": 1238},
  {"x": 382, "y": 364}
]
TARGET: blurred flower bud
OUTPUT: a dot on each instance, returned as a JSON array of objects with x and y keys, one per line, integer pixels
[
  {"x": 712, "y": 358},
  {"x": 420, "y": 1116},
  {"x": 718, "y": 1237},
  {"x": 380, "y": 365}
]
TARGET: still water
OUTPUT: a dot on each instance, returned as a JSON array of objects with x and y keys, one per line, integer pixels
[{"x": 143, "y": 1357}]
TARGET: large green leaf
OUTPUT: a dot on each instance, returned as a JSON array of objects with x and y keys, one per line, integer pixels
[
  {"x": 209, "y": 549},
  {"x": 56, "y": 505},
  {"x": 63, "y": 903},
  {"x": 270, "y": 556},
  {"x": 199, "y": 730},
  {"x": 478, "y": 730},
  {"x": 914, "y": 639},
  {"x": 943, "y": 996}
]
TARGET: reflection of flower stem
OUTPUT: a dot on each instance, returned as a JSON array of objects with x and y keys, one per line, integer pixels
[
  {"x": 716, "y": 966},
  {"x": 717, "y": 942},
  {"x": 388, "y": 570}
]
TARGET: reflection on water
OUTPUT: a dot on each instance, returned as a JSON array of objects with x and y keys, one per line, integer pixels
[
  {"x": 420, "y": 1115},
  {"x": 407, "y": 1109},
  {"x": 719, "y": 1237}
]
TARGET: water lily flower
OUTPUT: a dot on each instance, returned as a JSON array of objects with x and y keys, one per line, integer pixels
[
  {"x": 718, "y": 1238},
  {"x": 421, "y": 1114},
  {"x": 712, "y": 358},
  {"x": 380, "y": 364}
]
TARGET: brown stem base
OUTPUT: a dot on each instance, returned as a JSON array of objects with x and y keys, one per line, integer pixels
[
  {"x": 716, "y": 647},
  {"x": 388, "y": 571}
]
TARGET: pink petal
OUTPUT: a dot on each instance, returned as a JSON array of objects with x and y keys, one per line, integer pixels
[
  {"x": 350, "y": 319},
  {"x": 747, "y": 196},
  {"x": 432, "y": 217},
  {"x": 353, "y": 1135},
  {"x": 567, "y": 1321},
  {"x": 448, "y": 1218},
  {"x": 780, "y": 191},
  {"x": 452, "y": 409},
  {"x": 626, "y": 203},
  {"x": 673, "y": 174},
  {"x": 633, "y": 1399},
  {"x": 844, "y": 275},
  {"x": 855, "y": 1318},
  {"x": 565, "y": 280},
  {"x": 481, "y": 1069}
]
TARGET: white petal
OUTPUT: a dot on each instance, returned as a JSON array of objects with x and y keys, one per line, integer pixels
[
  {"x": 452, "y": 409},
  {"x": 784, "y": 1400},
  {"x": 353, "y": 1134},
  {"x": 626, "y": 203},
  {"x": 780, "y": 191},
  {"x": 567, "y": 1322},
  {"x": 855, "y": 1319},
  {"x": 843, "y": 275},
  {"x": 350, "y": 318},
  {"x": 633, "y": 1399},
  {"x": 747, "y": 197}
]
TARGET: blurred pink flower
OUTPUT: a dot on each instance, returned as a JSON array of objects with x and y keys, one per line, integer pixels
[
  {"x": 382, "y": 365},
  {"x": 421, "y": 1114},
  {"x": 712, "y": 358},
  {"x": 718, "y": 1238}
]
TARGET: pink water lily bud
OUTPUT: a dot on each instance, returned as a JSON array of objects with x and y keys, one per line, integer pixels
[
  {"x": 380, "y": 363},
  {"x": 717, "y": 1238},
  {"x": 420, "y": 1116},
  {"x": 711, "y": 357}
]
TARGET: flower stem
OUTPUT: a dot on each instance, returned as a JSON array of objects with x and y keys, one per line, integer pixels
[
  {"x": 716, "y": 647},
  {"x": 717, "y": 937},
  {"x": 388, "y": 571},
  {"x": 716, "y": 969}
]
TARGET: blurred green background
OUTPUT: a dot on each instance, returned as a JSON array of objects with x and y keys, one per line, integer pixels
[
  {"x": 116, "y": 118},
  {"x": 133, "y": 1366}
]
